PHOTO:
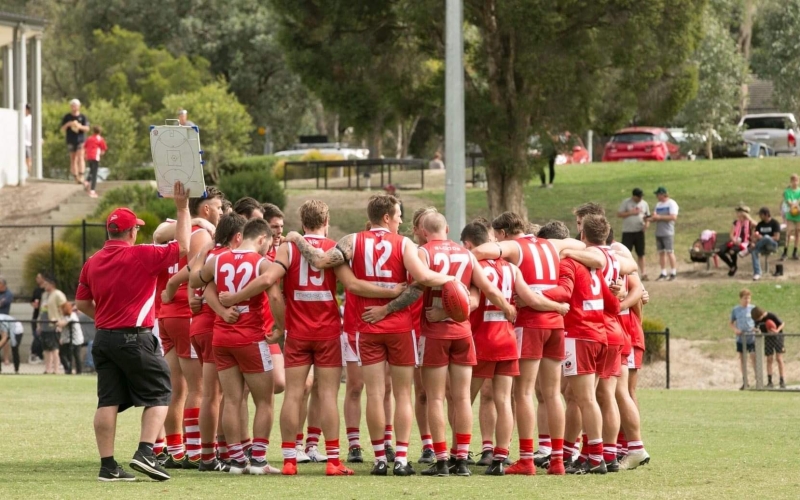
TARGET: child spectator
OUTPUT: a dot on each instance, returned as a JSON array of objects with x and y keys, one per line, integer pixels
[
  {"x": 71, "y": 339},
  {"x": 772, "y": 327},
  {"x": 744, "y": 328},
  {"x": 95, "y": 147}
]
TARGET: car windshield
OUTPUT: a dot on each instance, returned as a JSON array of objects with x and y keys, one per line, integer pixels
[
  {"x": 775, "y": 122},
  {"x": 632, "y": 137}
]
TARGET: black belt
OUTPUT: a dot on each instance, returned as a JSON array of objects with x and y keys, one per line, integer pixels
[{"x": 135, "y": 330}]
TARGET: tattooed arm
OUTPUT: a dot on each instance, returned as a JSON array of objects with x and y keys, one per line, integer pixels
[
  {"x": 336, "y": 256},
  {"x": 374, "y": 314}
]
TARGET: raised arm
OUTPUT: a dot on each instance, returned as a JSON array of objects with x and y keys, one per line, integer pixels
[
  {"x": 336, "y": 256},
  {"x": 182, "y": 228},
  {"x": 364, "y": 288},
  {"x": 508, "y": 250}
]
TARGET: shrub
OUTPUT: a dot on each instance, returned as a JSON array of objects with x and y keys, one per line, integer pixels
[
  {"x": 67, "y": 265},
  {"x": 261, "y": 163},
  {"x": 654, "y": 344},
  {"x": 133, "y": 174},
  {"x": 95, "y": 236},
  {"x": 260, "y": 185},
  {"x": 139, "y": 199}
]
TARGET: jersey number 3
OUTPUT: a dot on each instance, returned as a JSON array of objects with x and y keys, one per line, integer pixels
[{"x": 245, "y": 269}]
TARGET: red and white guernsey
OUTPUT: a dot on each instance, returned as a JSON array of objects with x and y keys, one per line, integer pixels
[
  {"x": 203, "y": 321},
  {"x": 417, "y": 312},
  {"x": 378, "y": 258},
  {"x": 312, "y": 312},
  {"x": 446, "y": 257},
  {"x": 539, "y": 264},
  {"x": 585, "y": 319},
  {"x": 492, "y": 333},
  {"x": 269, "y": 321},
  {"x": 179, "y": 307},
  {"x": 232, "y": 272},
  {"x": 350, "y": 319},
  {"x": 614, "y": 330}
]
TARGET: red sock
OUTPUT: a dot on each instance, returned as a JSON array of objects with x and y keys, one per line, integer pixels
[
  {"x": 401, "y": 455},
  {"x": 379, "y": 450},
  {"x": 595, "y": 451},
  {"x": 440, "y": 449},
  {"x": 175, "y": 446},
  {"x": 289, "y": 451},
  {"x": 158, "y": 447},
  {"x": 332, "y": 450},
  {"x": 260, "y": 446},
  {"x": 558, "y": 449},
  {"x": 609, "y": 452},
  {"x": 487, "y": 446},
  {"x": 353, "y": 437},
  {"x": 236, "y": 453},
  {"x": 584, "y": 450},
  {"x": 545, "y": 445},
  {"x": 622, "y": 443},
  {"x": 222, "y": 446},
  {"x": 526, "y": 449},
  {"x": 313, "y": 437},
  {"x": 427, "y": 442},
  {"x": 387, "y": 434},
  {"x": 462, "y": 445},
  {"x": 298, "y": 441},
  {"x": 500, "y": 454},
  {"x": 246, "y": 444},
  {"x": 207, "y": 452},
  {"x": 191, "y": 423}
]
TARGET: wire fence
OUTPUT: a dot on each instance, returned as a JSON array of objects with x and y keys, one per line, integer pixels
[
  {"x": 654, "y": 373},
  {"x": 774, "y": 364},
  {"x": 355, "y": 174},
  {"x": 24, "y": 351}
]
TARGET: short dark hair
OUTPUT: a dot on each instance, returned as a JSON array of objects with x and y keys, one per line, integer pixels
[
  {"x": 227, "y": 228},
  {"x": 97, "y": 129},
  {"x": 245, "y": 206},
  {"x": 509, "y": 222},
  {"x": 595, "y": 229},
  {"x": 475, "y": 233},
  {"x": 756, "y": 313},
  {"x": 764, "y": 211},
  {"x": 47, "y": 276},
  {"x": 483, "y": 221},
  {"x": 255, "y": 228},
  {"x": 212, "y": 193},
  {"x": 554, "y": 230},
  {"x": 610, "y": 237},
  {"x": 589, "y": 209},
  {"x": 226, "y": 205},
  {"x": 380, "y": 205},
  {"x": 271, "y": 211}
]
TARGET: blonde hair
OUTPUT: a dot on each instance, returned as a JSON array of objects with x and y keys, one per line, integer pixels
[{"x": 745, "y": 293}]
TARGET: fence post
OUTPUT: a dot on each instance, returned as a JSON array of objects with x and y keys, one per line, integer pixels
[
  {"x": 667, "y": 335},
  {"x": 83, "y": 227},
  {"x": 422, "y": 177},
  {"x": 285, "y": 169},
  {"x": 759, "y": 361},
  {"x": 52, "y": 250},
  {"x": 745, "y": 385}
]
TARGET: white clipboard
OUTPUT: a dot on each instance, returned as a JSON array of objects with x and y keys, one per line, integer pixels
[{"x": 177, "y": 156}]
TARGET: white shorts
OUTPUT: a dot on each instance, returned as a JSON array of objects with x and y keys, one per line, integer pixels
[
  {"x": 158, "y": 337},
  {"x": 348, "y": 355}
]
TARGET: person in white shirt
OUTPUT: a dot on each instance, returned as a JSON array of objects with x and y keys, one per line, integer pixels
[{"x": 28, "y": 141}]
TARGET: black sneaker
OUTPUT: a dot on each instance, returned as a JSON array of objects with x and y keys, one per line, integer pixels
[
  {"x": 486, "y": 458},
  {"x": 354, "y": 456},
  {"x": 214, "y": 466},
  {"x": 661, "y": 277},
  {"x": 148, "y": 465},
  {"x": 673, "y": 277},
  {"x": 507, "y": 462},
  {"x": 162, "y": 457},
  {"x": 379, "y": 469},
  {"x": 113, "y": 476},
  {"x": 769, "y": 385},
  {"x": 239, "y": 467},
  {"x": 439, "y": 468},
  {"x": 461, "y": 468},
  {"x": 451, "y": 464},
  {"x": 191, "y": 464},
  {"x": 470, "y": 460},
  {"x": 575, "y": 467},
  {"x": 541, "y": 461},
  {"x": 795, "y": 257},
  {"x": 403, "y": 470},
  {"x": 612, "y": 466},
  {"x": 495, "y": 469},
  {"x": 597, "y": 469},
  {"x": 782, "y": 384},
  {"x": 171, "y": 463},
  {"x": 428, "y": 457},
  {"x": 390, "y": 454}
]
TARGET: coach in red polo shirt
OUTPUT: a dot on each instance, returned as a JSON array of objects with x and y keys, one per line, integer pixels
[{"x": 117, "y": 289}]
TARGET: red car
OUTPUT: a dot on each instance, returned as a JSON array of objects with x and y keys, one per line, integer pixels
[{"x": 641, "y": 144}]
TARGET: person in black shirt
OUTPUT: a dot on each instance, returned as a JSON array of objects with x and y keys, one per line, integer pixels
[
  {"x": 765, "y": 237},
  {"x": 75, "y": 124},
  {"x": 37, "y": 355},
  {"x": 772, "y": 327}
]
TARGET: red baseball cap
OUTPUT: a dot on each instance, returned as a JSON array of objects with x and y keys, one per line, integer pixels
[{"x": 121, "y": 220}]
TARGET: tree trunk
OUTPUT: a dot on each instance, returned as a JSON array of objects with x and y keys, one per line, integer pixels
[
  {"x": 375, "y": 139},
  {"x": 319, "y": 118},
  {"x": 710, "y": 144},
  {"x": 506, "y": 176},
  {"x": 398, "y": 143},
  {"x": 408, "y": 135}
]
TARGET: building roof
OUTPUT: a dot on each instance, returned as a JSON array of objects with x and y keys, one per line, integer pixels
[{"x": 11, "y": 19}]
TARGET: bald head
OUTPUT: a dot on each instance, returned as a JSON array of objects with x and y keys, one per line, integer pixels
[{"x": 434, "y": 223}]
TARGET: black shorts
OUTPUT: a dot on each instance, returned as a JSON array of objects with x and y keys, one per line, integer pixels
[
  {"x": 634, "y": 241},
  {"x": 773, "y": 344},
  {"x": 130, "y": 370},
  {"x": 750, "y": 347},
  {"x": 50, "y": 340},
  {"x": 74, "y": 147}
]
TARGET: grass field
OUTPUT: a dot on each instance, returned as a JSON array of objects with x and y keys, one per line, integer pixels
[{"x": 704, "y": 444}]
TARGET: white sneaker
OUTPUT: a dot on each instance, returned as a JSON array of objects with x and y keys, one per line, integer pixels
[
  {"x": 262, "y": 467},
  {"x": 302, "y": 458},
  {"x": 313, "y": 453},
  {"x": 756, "y": 277},
  {"x": 634, "y": 459}
]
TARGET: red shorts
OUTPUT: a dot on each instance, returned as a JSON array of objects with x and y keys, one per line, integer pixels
[
  {"x": 400, "y": 349},
  {"x": 201, "y": 343},
  {"x": 174, "y": 333},
  {"x": 538, "y": 343},
  {"x": 635, "y": 359},
  {"x": 488, "y": 369},
  {"x": 320, "y": 353},
  {"x": 611, "y": 366},
  {"x": 251, "y": 358},
  {"x": 275, "y": 349},
  {"x": 583, "y": 357},
  {"x": 443, "y": 352}
]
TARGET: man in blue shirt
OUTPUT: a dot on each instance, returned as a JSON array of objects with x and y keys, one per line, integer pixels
[
  {"x": 6, "y": 297},
  {"x": 744, "y": 327}
]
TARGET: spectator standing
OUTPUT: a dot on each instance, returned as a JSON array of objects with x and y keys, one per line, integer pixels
[
  {"x": 635, "y": 215},
  {"x": 436, "y": 163},
  {"x": 791, "y": 198},
  {"x": 36, "y": 302},
  {"x": 28, "y": 134},
  {"x": 740, "y": 239},
  {"x": 744, "y": 327},
  {"x": 550, "y": 150},
  {"x": 666, "y": 213},
  {"x": 14, "y": 331},
  {"x": 75, "y": 124},
  {"x": 772, "y": 327},
  {"x": 95, "y": 148},
  {"x": 183, "y": 119},
  {"x": 71, "y": 339},
  {"x": 6, "y": 298},
  {"x": 54, "y": 301},
  {"x": 765, "y": 238}
]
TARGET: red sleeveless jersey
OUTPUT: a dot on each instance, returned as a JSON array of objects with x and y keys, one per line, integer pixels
[
  {"x": 179, "y": 307},
  {"x": 585, "y": 319},
  {"x": 493, "y": 334},
  {"x": 232, "y": 272},
  {"x": 538, "y": 262},
  {"x": 203, "y": 321},
  {"x": 452, "y": 259},
  {"x": 269, "y": 321},
  {"x": 632, "y": 324},
  {"x": 350, "y": 319},
  {"x": 614, "y": 330},
  {"x": 312, "y": 312},
  {"x": 417, "y": 311},
  {"x": 378, "y": 258}
]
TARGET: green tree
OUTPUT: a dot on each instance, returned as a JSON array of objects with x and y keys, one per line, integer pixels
[
  {"x": 778, "y": 56},
  {"x": 225, "y": 126}
]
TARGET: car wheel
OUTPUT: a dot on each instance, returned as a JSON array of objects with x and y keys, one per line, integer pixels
[{"x": 668, "y": 158}]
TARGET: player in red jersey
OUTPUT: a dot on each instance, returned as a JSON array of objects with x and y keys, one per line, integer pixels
[
  {"x": 383, "y": 257},
  {"x": 540, "y": 335},
  {"x": 274, "y": 217},
  {"x": 240, "y": 349},
  {"x": 495, "y": 341},
  {"x": 174, "y": 325}
]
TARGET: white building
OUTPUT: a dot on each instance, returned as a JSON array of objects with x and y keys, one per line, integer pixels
[{"x": 20, "y": 44}]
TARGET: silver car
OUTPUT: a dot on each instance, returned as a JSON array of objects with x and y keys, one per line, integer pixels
[{"x": 777, "y": 130}]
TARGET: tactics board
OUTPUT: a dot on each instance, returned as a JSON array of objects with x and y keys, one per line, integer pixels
[{"x": 177, "y": 157}]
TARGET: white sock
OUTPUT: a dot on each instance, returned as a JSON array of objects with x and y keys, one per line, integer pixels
[{"x": 674, "y": 271}]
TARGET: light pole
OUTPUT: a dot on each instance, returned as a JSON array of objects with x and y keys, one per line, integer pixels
[{"x": 454, "y": 195}]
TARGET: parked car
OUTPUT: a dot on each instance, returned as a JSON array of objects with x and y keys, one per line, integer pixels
[
  {"x": 642, "y": 143},
  {"x": 777, "y": 130},
  {"x": 327, "y": 149}
]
